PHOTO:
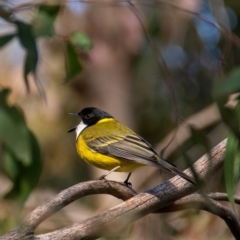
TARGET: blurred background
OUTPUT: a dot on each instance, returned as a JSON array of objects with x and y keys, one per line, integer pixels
[{"x": 153, "y": 65}]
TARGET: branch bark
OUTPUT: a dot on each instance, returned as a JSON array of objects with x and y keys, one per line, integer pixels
[
  {"x": 207, "y": 203},
  {"x": 113, "y": 220}
]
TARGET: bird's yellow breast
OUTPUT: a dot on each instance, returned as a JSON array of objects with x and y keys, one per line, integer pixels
[{"x": 97, "y": 159}]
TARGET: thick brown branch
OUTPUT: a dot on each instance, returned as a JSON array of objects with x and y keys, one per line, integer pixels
[
  {"x": 113, "y": 220},
  {"x": 44, "y": 211}
]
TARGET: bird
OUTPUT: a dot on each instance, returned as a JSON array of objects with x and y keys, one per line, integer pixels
[{"x": 106, "y": 143}]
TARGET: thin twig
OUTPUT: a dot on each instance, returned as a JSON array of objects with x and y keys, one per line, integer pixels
[{"x": 212, "y": 206}]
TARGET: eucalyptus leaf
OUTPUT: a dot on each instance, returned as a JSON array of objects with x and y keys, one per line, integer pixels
[
  {"x": 24, "y": 177},
  {"x": 229, "y": 175},
  {"x": 51, "y": 10},
  {"x": 73, "y": 66},
  {"x": 21, "y": 153},
  {"x": 229, "y": 84},
  {"x": 199, "y": 137},
  {"x": 27, "y": 40},
  {"x": 13, "y": 130},
  {"x": 81, "y": 41},
  {"x": 43, "y": 24},
  {"x": 5, "y": 39}
]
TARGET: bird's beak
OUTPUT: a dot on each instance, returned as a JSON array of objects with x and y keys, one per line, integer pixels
[
  {"x": 75, "y": 114},
  {"x": 72, "y": 129}
]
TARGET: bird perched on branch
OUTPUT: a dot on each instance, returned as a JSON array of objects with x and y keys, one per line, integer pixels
[{"x": 106, "y": 143}]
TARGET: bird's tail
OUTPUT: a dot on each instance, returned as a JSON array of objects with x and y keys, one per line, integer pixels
[{"x": 172, "y": 168}]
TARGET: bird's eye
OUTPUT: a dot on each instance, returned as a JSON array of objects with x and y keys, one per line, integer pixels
[{"x": 89, "y": 115}]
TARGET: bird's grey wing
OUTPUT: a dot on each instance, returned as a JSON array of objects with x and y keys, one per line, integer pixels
[
  {"x": 131, "y": 147},
  {"x": 134, "y": 148}
]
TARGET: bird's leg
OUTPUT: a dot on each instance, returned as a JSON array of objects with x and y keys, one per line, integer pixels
[
  {"x": 107, "y": 173},
  {"x": 126, "y": 182}
]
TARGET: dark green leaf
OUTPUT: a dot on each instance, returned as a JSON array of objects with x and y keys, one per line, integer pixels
[
  {"x": 24, "y": 177},
  {"x": 199, "y": 137},
  {"x": 154, "y": 27},
  {"x": 13, "y": 130},
  {"x": 51, "y": 10},
  {"x": 6, "y": 39},
  {"x": 81, "y": 40},
  {"x": 237, "y": 166},
  {"x": 27, "y": 40},
  {"x": 43, "y": 25},
  {"x": 22, "y": 160},
  {"x": 237, "y": 110},
  {"x": 231, "y": 149},
  {"x": 189, "y": 163},
  {"x": 10, "y": 164},
  {"x": 73, "y": 65},
  {"x": 230, "y": 117},
  {"x": 44, "y": 22},
  {"x": 229, "y": 84}
]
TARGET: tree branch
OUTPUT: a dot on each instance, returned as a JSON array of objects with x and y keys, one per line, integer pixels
[
  {"x": 223, "y": 197},
  {"x": 208, "y": 204},
  {"x": 69, "y": 195},
  {"x": 113, "y": 220},
  {"x": 194, "y": 201}
]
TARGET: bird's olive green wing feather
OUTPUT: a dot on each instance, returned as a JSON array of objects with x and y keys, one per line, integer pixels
[{"x": 131, "y": 147}]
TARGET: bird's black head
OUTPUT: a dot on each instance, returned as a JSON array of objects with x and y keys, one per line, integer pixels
[{"x": 91, "y": 115}]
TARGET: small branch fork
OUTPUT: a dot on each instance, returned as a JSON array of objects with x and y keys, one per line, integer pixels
[{"x": 173, "y": 195}]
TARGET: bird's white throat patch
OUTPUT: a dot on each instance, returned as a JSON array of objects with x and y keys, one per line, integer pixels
[{"x": 80, "y": 127}]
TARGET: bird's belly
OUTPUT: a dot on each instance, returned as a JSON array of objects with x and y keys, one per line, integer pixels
[{"x": 104, "y": 161}]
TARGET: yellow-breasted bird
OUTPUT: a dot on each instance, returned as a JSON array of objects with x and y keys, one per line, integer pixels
[{"x": 106, "y": 143}]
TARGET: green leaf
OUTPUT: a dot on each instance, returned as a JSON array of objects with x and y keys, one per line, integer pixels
[
  {"x": 5, "y": 39},
  {"x": 229, "y": 84},
  {"x": 13, "y": 130},
  {"x": 154, "y": 26},
  {"x": 51, "y": 10},
  {"x": 189, "y": 163},
  {"x": 81, "y": 41},
  {"x": 237, "y": 166},
  {"x": 24, "y": 177},
  {"x": 230, "y": 117},
  {"x": 25, "y": 35},
  {"x": 199, "y": 137},
  {"x": 43, "y": 25},
  {"x": 21, "y": 153},
  {"x": 229, "y": 175},
  {"x": 73, "y": 66},
  {"x": 10, "y": 164}
]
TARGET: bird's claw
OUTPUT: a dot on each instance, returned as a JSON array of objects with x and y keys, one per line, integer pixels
[{"x": 127, "y": 183}]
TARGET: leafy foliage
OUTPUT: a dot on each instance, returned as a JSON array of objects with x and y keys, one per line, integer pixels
[
  {"x": 81, "y": 41},
  {"x": 43, "y": 26},
  {"x": 231, "y": 116},
  {"x": 73, "y": 66},
  {"x": 228, "y": 85},
  {"x": 44, "y": 21},
  {"x": 22, "y": 157},
  {"x": 27, "y": 40},
  {"x": 5, "y": 39},
  {"x": 229, "y": 166}
]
